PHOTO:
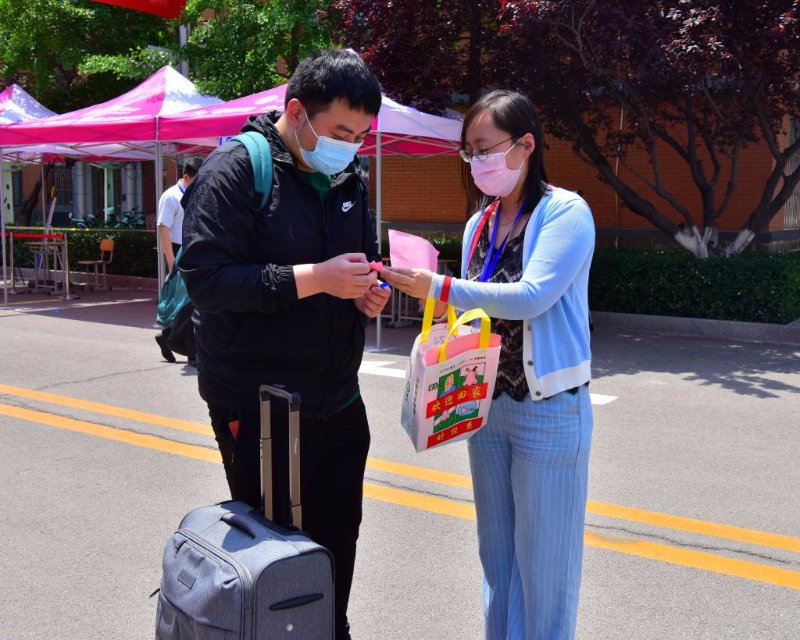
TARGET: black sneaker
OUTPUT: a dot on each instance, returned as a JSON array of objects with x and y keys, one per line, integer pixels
[{"x": 168, "y": 355}]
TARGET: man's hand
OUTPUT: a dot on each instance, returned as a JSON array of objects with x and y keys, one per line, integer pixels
[
  {"x": 346, "y": 276},
  {"x": 414, "y": 282},
  {"x": 373, "y": 301}
]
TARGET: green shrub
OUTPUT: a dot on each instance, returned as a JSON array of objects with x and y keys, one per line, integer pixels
[
  {"x": 134, "y": 250},
  {"x": 753, "y": 287}
]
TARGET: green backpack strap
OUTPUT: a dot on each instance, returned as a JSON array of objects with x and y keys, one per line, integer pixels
[{"x": 261, "y": 159}]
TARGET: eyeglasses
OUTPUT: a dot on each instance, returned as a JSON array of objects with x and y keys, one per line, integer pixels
[{"x": 481, "y": 154}]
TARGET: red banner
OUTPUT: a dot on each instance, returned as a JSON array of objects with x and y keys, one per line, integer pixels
[
  {"x": 165, "y": 8},
  {"x": 455, "y": 430},
  {"x": 455, "y": 398}
]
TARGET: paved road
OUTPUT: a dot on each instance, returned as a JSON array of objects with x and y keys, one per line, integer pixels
[{"x": 693, "y": 525}]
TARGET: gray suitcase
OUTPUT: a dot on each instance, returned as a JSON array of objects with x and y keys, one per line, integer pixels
[{"x": 231, "y": 573}]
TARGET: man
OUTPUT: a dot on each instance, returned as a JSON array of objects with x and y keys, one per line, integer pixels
[
  {"x": 170, "y": 232},
  {"x": 283, "y": 296},
  {"x": 170, "y": 212}
]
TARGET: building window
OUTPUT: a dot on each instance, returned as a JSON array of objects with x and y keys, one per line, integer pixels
[
  {"x": 791, "y": 210},
  {"x": 60, "y": 177},
  {"x": 16, "y": 190}
]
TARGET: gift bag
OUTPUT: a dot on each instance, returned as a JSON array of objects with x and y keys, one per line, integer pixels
[{"x": 450, "y": 379}]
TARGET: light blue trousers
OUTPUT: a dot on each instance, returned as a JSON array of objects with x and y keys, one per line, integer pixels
[{"x": 530, "y": 473}]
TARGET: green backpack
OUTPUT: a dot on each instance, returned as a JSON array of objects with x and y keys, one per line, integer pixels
[{"x": 173, "y": 295}]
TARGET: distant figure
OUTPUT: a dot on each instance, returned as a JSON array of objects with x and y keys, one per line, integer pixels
[{"x": 170, "y": 212}]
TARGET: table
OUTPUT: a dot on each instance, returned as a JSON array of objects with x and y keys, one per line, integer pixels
[{"x": 48, "y": 248}]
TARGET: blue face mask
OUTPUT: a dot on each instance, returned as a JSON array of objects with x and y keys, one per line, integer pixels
[{"x": 330, "y": 156}]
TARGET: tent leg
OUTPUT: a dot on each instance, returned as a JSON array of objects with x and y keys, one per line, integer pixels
[
  {"x": 378, "y": 194},
  {"x": 3, "y": 235},
  {"x": 159, "y": 170}
]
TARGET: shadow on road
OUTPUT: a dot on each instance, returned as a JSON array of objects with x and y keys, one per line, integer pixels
[{"x": 744, "y": 367}]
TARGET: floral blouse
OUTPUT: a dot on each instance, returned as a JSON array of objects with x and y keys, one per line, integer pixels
[{"x": 510, "y": 374}]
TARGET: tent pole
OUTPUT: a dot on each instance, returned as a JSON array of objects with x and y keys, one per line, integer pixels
[
  {"x": 378, "y": 213},
  {"x": 3, "y": 227},
  {"x": 44, "y": 204},
  {"x": 159, "y": 170}
]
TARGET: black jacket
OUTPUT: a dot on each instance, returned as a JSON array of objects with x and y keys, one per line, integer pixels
[{"x": 250, "y": 328}]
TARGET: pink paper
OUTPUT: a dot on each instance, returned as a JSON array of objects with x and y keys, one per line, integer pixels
[
  {"x": 376, "y": 266},
  {"x": 410, "y": 251}
]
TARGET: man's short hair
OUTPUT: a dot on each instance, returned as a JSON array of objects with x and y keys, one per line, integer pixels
[
  {"x": 334, "y": 74},
  {"x": 192, "y": 166}
]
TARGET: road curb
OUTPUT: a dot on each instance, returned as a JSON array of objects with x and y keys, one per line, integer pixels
[
  {"x": 700, "y": 327},
  {"x": 78, "y": 278}
]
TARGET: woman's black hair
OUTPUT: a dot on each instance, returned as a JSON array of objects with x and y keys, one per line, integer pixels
[
  {"x": 513, "y": 113},
  {"x": 334, "y": 73}
]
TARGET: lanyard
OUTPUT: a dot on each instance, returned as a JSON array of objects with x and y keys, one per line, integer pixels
[
  {"x": 493, "y": 255},
  {"x": 181, "y": 188}
]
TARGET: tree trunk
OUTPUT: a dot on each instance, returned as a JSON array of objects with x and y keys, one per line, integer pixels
[
  {"x": 587, "y": 150},
  {"x": 692, "y": 240},
  {"x": 742, "y": 241},
  {"x": 29, "y": 205}
]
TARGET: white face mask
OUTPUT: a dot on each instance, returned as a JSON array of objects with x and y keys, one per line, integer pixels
[
  {"x": 330, "y": 156},
  {"x": 492, "y": 176}
]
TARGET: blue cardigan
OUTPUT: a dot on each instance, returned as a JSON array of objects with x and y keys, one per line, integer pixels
[{"x": 551, "y": 297}]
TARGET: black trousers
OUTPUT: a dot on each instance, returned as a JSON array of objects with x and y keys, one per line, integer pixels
[{"x": 333, "y": 455}]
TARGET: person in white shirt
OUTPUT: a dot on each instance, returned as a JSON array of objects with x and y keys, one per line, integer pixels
[{"x": 170, "y": 212}]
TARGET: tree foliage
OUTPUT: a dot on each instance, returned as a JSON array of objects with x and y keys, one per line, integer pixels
[
  {"x": 421, "y": 51},
  {"x": 251, "y": 45},
  {"x": 44, "y": 43},
  {"x": 702, "y": 79}
]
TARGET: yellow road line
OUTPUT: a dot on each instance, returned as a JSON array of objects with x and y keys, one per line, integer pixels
[
  {"x": 420, "y": 473},
  {"x": 419, "y": 501},
  {"x": 651, "y": 518},
  {"x": 643, "y": 549},
  {"x": 15, "y": 303},
  {"x": 697, "y": 560},
  {"x": 690, "y": 525},
  {"x": 112, "y": 433},
  {"x": 107, "y": 409}
]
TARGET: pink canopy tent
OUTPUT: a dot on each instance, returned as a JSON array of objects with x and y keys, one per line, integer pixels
[
  {"x": 16, "y": 105},
  {"x": 397, "y": 129},
  {"x": 403, "y": 130},
  {"x": 129, "y": 118},
  {"x": 125, "y": 127}
]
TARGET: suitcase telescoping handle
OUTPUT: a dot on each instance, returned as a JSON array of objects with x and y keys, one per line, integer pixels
[{"x": 293, "y": 399}]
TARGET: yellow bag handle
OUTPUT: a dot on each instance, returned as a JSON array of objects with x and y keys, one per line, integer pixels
[
  {"x": 465, "y": 318},
  {"x": 427, "y": 318}
]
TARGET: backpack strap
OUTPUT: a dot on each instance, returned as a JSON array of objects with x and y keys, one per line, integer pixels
[{"x": 261, "y": 160}]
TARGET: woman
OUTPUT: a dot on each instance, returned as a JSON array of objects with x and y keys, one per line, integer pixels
[{"x": 526, "y": 258}]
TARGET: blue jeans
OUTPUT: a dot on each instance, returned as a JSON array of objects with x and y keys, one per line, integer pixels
[{"x": 530, "y": 474}]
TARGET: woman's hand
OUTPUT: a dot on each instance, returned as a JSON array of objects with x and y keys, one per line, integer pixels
[{"x": 414, "y": 282}]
